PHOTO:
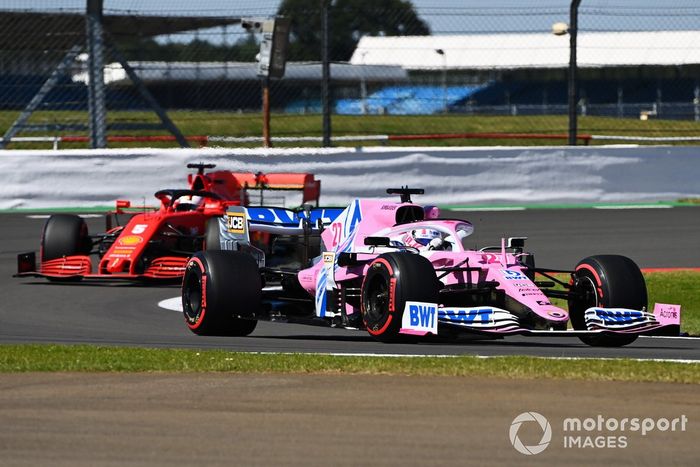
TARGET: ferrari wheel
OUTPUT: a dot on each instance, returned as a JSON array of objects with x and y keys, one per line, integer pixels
[
  {"x": 392, "y": 280},
  {"x": 606, "y": 281},
  {"x": 64, "y": 235},
  {"x": 221, "y": 293}
]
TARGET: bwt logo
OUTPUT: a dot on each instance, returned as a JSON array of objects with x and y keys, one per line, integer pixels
[
  {"x": 419, "y": 318},
  {"x": 618, "y": 316},
  {"x": 422, "y": 315},
  {"x": 535, "y": 448},
  {"x": 469, "y": 315}
]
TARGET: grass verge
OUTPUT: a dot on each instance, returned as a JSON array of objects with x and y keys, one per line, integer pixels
[
  {"x": 85, "y": 358},
  {"x": 250, "y": 124},
  {"x": 681, "y": 287}
]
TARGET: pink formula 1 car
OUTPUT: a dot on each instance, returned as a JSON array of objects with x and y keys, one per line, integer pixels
[{"x": 396, "y": 269}]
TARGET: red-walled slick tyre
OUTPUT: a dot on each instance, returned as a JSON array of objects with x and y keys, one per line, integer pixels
[
  {"x": 221, "y": 293},
  {"x": 391, "y": 281}
]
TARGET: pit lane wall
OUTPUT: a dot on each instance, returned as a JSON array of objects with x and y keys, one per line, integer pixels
[{"x": 464, "y": 175}]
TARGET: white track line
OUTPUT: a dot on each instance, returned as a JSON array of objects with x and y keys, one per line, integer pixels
[
  {"x": 394, "y": 355},
  {"x": 173, "y": 304},
  {"x": 496, "y": 208},
  {"x": 635, "y": 206},
  {"x": 46, "y": 216}
]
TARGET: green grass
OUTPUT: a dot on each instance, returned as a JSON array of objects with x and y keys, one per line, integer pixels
[
  {"x": 84, "y": 358},
  {"x": 250, "y": 124},
  {"x": 682, "y": 287}
]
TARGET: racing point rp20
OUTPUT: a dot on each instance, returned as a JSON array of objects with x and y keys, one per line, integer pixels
[{"x": 395, "y": 269}]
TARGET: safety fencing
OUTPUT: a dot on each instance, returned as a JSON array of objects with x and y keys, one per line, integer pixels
[{"x": 162, "y": 59}]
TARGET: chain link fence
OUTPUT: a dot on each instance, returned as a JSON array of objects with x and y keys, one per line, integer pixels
[{"x": 400, "y": 74}]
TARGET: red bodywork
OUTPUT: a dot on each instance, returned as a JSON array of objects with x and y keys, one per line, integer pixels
[{"x": 157, "y": 242}]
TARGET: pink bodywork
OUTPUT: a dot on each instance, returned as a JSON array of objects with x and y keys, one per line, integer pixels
[{"x": 370, "y": 218}]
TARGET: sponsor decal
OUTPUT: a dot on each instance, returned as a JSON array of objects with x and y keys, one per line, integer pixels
[
  {"x": 329, "y": 266},
  {"x": 667, "y": 313},
  {"x": 290, "y": 218},
  {"x": 235, "y": 222},
  {"x": 388, "y": 207},
  {"x": 510, "y": 275},
  {"x": 618, "y": 316},
  {"x": 468, "y": 315},
  {"x": 419, "y": 318},
  {"x": 130, "y": 240}
]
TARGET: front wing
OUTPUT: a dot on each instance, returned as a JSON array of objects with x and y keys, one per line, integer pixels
[
  {"x": 425, "y": 318},
  {"x": 79, "y": 267}
]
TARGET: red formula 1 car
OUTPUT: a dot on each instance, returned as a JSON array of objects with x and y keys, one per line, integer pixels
[{"x": 155, "y": 243}]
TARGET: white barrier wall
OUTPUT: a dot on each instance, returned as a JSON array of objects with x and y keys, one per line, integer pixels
[{"x": 73, "y": 178}]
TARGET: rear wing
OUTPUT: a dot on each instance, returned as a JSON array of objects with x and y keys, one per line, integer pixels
[
  {"x": 259, "y": 183},
  {"x": 287, "y": 221},
  {"x": 238, "y": 222}
]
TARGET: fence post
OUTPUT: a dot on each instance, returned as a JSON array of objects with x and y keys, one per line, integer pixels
[
  {"x": 573, "y": 32},
  {"x": 325, "y": 72},
  {"x": 97, "y": 108}
]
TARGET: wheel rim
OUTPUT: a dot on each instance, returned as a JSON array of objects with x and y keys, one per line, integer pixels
[
  {"x": 193, "y": 298},
  {"x": 377, "y": 301},
  {"x": 590, "y": 291}
]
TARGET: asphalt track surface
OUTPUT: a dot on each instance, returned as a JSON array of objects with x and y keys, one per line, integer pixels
[{"x": 36, "y": 311}]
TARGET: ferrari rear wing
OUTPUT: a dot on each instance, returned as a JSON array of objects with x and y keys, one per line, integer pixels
[
  {"x": 260, "y": 183},
  {"x": 238, "y": 186}
]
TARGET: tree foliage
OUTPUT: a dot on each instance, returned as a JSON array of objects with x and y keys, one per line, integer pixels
[
  {"x": 148, "y": 49},
  {"x": 349, "y": 21}
]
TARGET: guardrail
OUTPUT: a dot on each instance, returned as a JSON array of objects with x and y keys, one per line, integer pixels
[{"x": 203, "y": 140}]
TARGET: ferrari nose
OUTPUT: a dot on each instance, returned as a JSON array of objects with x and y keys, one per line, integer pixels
[{"x": 118, "y": 265}]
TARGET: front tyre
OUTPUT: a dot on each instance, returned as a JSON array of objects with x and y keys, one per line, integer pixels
[
  {"x": 608, "y": 281},
  {"x": 221, "y": 292},
  {"x": 392, "y": 280},
  {"x": 64, "y": 235}
]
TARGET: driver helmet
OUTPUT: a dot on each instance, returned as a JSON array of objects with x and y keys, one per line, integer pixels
[
  {"x": 187, "y": 203},
  {"x": 424, "y": 236}
]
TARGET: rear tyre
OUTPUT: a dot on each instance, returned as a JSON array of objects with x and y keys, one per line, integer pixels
[
  {"x": 606, "y": 281},
  {"x": 392, "y": 280},
  {"x": 64, "y": 235},
  {"x": 221, "y": 292}
]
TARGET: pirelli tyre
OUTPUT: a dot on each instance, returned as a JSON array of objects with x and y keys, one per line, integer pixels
[
  {"x": 392, "y": 280},
  {"x": 64, "y": 235},
  {"x": 221, "y": 292},
  {"x": 610, "y": 281}
]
